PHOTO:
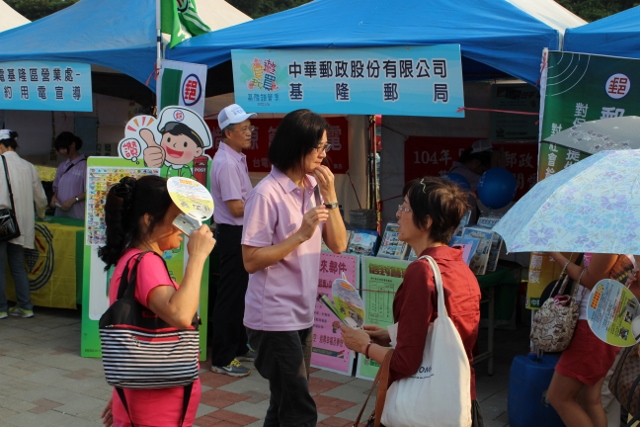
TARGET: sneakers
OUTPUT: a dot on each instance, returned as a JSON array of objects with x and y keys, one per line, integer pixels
[
  {"x": 21, "y": 312},
  {"x": 3, "y": 315},
  {"x": 249, "y": 356},
  {"x": 233, "y": 369}
]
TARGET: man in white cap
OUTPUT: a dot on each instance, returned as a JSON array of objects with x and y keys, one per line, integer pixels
[{"x": 230, "y": 184}]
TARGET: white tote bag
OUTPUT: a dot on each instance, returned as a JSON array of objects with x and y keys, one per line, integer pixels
[{"x": 438, "y": 395}]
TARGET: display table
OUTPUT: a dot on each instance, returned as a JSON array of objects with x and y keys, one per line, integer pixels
[
  {"x": 54, "y": 267},
  {"x": 503, "y": 276}
]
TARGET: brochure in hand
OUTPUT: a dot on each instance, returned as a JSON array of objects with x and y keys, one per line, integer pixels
[{"x": 347, "y": 304}]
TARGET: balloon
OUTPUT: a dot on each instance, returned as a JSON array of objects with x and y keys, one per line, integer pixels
[
  {"x": 496, "y": 188},
  {"x": 459, "y": 179}
]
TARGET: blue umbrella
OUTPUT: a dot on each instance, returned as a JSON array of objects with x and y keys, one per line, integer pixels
[{"x": 592, "y": 206}]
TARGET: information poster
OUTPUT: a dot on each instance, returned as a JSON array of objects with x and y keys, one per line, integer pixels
[
  {"x": 380, "y": 281},
  {"x": 102, "y": 172},
  {"x": 329, "y": 352}
]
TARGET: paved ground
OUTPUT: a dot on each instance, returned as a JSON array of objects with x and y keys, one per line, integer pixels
[{"x": 44, "y": 381}]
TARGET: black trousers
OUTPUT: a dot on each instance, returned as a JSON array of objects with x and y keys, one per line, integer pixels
[
  {"x": 229, "y": 338},
  {"x": 284, "y": 359}
]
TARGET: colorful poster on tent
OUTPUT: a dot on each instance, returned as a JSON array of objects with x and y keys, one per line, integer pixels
[
  {"x": 575, "y": 88},
  {"x": 402, "y": 81},
  {"x": 181, "y": 84},
  {"x": 46, "y": 86},
  {"x": 380, "y": 281},
  {"x": 329, "y": 352},
  {"x": 262, "y": 135}
]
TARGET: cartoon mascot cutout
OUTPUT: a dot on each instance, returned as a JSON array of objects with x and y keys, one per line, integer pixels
[{"x": 175, "y": 143}]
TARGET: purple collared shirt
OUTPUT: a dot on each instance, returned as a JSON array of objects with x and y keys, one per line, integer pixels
[
  {"x": 229, "y": 181},
  {"x": 71, "y": 184},
  {"x": 282, "y": 296}
]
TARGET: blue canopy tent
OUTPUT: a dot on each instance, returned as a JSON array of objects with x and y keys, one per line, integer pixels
[
  {"x": 117, "y": 34},
  {"x": 615, "y": 35},
  {"x": 498, "y": 38}
]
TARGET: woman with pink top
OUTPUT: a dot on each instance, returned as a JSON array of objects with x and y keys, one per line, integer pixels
[{"x": 287, "y": 215}]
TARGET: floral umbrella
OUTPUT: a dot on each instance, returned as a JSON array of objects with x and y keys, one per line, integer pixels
[
  {"x": 592, "y": 206},
  {"x": 617, "y": 133}
]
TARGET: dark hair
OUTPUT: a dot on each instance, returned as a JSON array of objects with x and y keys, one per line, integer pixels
[
  {"x": 440, "y": 199},
  {"x": 297, "y": 135},
  {"x": 65, "y": 139},
  {"x": 484, "y": 157},
  {"x": 127, "y": 203},
  {"x": 175, "y": 128},
  {"x": 11, "y": 141}
]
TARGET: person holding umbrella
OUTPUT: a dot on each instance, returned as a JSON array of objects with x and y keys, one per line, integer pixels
[{"x": 578, "y": 381}]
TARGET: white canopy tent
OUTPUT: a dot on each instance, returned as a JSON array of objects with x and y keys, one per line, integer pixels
[{"x": 9, "y": 18}]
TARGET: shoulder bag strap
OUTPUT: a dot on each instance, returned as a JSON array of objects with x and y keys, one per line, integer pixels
[
  {"x": 382, "y": 381},
  {"x": 72, "y": 165},
  {"x": 442, "y": 308},
  {"x": 6, "y": 173}
]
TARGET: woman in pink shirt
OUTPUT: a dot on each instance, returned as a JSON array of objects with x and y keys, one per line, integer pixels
[
  {"x": 139, "y": 216},
  {"x": 286, "y": 216}
]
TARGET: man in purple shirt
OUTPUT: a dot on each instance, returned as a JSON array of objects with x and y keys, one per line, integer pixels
[{"x": 230, "y": 184}]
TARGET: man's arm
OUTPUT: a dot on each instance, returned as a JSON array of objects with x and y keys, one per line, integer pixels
[{"x": 236, "y": 207}]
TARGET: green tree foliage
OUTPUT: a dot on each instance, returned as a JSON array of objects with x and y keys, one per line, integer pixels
[
  {"x": 592, "y": 10},
  {"x": 36, "y": 9},
  {"x": 259, "y": 8}
]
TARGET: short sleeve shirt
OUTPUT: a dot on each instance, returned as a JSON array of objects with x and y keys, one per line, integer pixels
[
  {"x": 229, "y": 181},
  {"x": 282, "y": 296}
]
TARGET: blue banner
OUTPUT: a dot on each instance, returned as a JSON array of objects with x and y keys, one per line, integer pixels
[
  {"x": 45, "y": 86},
  {"x": 402, "y": 81}
]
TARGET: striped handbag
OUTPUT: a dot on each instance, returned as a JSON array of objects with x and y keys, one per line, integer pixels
[{"x": 140, "y": 350}]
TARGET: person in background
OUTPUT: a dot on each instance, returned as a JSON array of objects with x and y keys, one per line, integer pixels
[
  {"x": 27, "y": 193},
  {"x": 290, "y": 211},
  {"x": 69, "y": 183},
  {"x": 473, "y": 162},
  {"x": 577, "y": 385},
  {"x": 431, "y": 210},
  {"x": 230, "y": 185},
  {"x": 139, "y": 216}
]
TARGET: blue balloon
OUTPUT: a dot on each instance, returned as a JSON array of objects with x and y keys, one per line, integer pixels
[
  {"x": 459, "y": 179},
  {"x": 496, "y": 188}
]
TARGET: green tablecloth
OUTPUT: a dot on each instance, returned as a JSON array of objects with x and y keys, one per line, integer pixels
[{"x": 506, "y": 280}]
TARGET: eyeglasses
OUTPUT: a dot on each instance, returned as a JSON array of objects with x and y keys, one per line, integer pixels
[
  {"x": 402, "y": 208},
  {"x": 324, "y": 148},
  {"x": 246, "y": 129}
]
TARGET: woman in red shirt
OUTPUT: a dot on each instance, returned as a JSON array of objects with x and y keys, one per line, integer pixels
[{"x": 427, "y": 218}]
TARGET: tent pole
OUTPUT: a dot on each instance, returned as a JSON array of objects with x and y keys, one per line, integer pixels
[{"x": 158, "y": 37}]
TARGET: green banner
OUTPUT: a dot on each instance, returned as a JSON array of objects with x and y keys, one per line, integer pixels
[{"x": 380, "y": 281}]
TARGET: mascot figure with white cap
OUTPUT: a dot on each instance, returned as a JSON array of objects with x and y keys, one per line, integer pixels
[{"x": 179, "y": 137}]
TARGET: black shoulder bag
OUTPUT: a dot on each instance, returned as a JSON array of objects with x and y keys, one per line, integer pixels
[
  {"x": 142, "y": 351},
  {"x": 9, "y": 228}
]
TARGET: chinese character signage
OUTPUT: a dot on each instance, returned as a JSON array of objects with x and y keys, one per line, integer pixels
[
  {"x": 45, "y": 86},
  {"x": 401, "y": 81},
  {"x": 182, "y": 83},
  {"x": 381, "y": 278},
  {"x": 329, "y": 352},
  {"x": 257, "y": 155},
  {"x": 434, "y": 156}
]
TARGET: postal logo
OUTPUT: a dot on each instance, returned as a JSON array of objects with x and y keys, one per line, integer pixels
[
  {"x": 618, "y": 86},
  {"x": 178, "y": 116},
  {"x": 191, "y": 90},
  {"x": 39, "y": 261}
]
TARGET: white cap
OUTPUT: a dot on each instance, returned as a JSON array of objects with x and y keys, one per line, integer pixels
[
  {"x": 5, "y": 134},
  {"x": 481, "y": 145},
  {"x": 232, "y": 115}
]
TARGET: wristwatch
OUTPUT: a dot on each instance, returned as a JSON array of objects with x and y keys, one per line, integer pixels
[
  {"x": 331, "y": 205},
  {"x": 77, "y": 199}
]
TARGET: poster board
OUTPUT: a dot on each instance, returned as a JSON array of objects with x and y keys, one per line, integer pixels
[
  {"x": 380, "y": 280},
  {"x": 329, "y": 352}
]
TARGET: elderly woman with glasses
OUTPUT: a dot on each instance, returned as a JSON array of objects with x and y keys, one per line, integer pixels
[{"x": 431, "y": 210}]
